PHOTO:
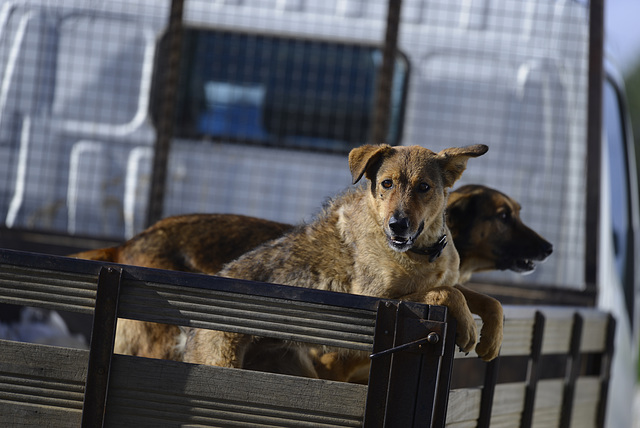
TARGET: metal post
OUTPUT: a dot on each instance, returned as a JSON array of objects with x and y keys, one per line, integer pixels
[
  {"x": 594, "y": 139},
  {"x": 102, "y": 339},
  {"x": 380, "y": 127},
  {"x": 532, "y": 380},
  {"x": 572, "y": 371},
  {"x": 410, "y": 369},
  {"x": 605, "y": 371},
  {"x": 166, "y": 117}
]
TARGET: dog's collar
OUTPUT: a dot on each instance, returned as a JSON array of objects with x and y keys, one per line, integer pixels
[{"x": 433, "y": 251}]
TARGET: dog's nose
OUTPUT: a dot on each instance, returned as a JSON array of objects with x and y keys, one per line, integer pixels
[
  {"x": 398, "y": 225},
  {"x": 547, "y": 249}
]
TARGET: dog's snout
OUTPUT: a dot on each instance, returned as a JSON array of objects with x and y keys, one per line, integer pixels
[
  {"x": 547, "y": 249},
  {"x": 399, "y": 224}
]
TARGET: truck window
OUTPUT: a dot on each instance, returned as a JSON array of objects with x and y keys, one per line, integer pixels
[
  {"x": 277, "y": 91},
  {"x": 619, "y": 189}
]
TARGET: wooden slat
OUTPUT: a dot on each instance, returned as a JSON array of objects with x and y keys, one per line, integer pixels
[
  {"x": 464, "y": 406},
  {"x": 518, "y": 329},
  {"x": 585, "y": 404},
  {"x": 51, "y": 289},
  {"x": 508, "y": 402},
  {"x": 548, "y": 403},
  {"x": 146, "y": 392},
  {"x": 245, "y": 313},
  {"x": 41, "y": 385},
  {"x": 557, "y": 336},
  {"x": 594, "y": 336}
]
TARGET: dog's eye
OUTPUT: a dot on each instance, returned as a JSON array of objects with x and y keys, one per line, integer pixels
[
  {"x": 504, "y": 216},
  {"x": 423, "y": 187},
  {"x": 387, "y": 184}
]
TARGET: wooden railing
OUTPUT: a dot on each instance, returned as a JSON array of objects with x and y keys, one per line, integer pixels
[{"x": 43, "y": 385}]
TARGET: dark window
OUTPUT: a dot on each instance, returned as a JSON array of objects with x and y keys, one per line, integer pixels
[
  {"x": 619, "y": 190},
  {"x": 278, "y": 91}
]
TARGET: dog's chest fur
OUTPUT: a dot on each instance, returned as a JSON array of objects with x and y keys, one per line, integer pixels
[{"x": 345, "y": 250}]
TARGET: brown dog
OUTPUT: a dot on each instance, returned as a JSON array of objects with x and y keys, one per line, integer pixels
[
  {"x": 184, "y": 243},
  {"x": 385, "y": 240},
  {"x": 483, "y": 223},
  {"x": 489, "y": 235}
]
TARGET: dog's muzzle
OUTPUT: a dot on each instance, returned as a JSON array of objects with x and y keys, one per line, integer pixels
[
  {"x": 524, "y": 264},
  {"x": 399, "y": 242}
]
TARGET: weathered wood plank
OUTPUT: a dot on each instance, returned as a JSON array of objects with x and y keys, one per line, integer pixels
[
  {"x": 150, "y": 391},
  {"x": 41, "y": 385},
  {"x": 21, "y": 285},
  {"x": 594, "y": 335},
  {"x": 518, "y": 330},
  {"x": 464, "y": 406},
  {"x": 258, "y": 315}
]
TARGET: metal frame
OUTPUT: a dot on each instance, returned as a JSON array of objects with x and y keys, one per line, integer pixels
[
  {"x": 102, "y": 340},
  {"x": 411, "y": 366}
]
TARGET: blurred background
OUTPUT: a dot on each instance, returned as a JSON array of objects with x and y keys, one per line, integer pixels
[{"x": 623, "y": 42}]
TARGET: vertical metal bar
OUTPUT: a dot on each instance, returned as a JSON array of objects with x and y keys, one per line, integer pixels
[
  {"x": 605, "y": 374},
  {"x": 102, "y": 339},
  {"x": 380, "y": 128},
  {"x": 446, "y": 368},
  {"x": 405, "y": 385},
  {"x": 167, "y": 114},
  {"x": 380, "y": 367},
  {"x": 572, "y": 371},
  {"x": 488, "y": 390},
  {"x": 413, "y": 383},
  {"x": 533, "y": 375},
  {"x": 403, "y": 394},
  {"x": 594, "y": 139}
]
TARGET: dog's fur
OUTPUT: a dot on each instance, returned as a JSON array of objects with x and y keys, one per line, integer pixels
[
  {"x": 180, "y": 243},
  {"x": 374, "y": 240},
  {"x": 489, "y": 233},
  {"x": 485, "y": 226},
  {"x": 483, "y": 222},
  {"x": 205, "y": 242},
  {"x": 200, "y": 243}
]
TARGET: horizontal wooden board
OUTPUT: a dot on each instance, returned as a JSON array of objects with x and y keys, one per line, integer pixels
[
  {"x": 28, "y": 286},
  {"x": 519, "y": 324},
  {"x": 41, "y": 385},
  {"x": 244, "y": 313},
  {"x": 463, "y": 406},
  {"x": 146, "y": 392}
]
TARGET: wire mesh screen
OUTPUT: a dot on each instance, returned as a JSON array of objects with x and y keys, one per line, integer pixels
[{"x": 271, "y": 95}]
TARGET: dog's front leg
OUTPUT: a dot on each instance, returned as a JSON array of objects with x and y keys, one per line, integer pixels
[
  {"x": 490, "y": 310},
  {"x": 453, "y": 299},
  {"x": 215, "y": 348}
]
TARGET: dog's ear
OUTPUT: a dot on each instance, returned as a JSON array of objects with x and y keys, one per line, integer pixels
[
  {"x": 362, "y": 158},
  {"x": 454, "y": 161},
  {"x": 459, "y": 212}
]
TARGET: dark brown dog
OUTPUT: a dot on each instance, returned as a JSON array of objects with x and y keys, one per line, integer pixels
[
  {"x": 200, "y": 243},
  {"x": 489, "y": 233}
]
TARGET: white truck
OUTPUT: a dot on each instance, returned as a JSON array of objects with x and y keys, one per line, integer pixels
[{"x": 272, "y": 94}]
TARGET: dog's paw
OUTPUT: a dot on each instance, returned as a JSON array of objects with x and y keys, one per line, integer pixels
[
  {"x": 490, "y": 339},
  {"x": 488, "y": 349},
  {"x": 452, "y": 298},
  {"x": 466, "y": 331}
]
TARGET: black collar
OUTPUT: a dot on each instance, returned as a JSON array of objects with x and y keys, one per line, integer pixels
[{"x": 433, "y": 251}]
